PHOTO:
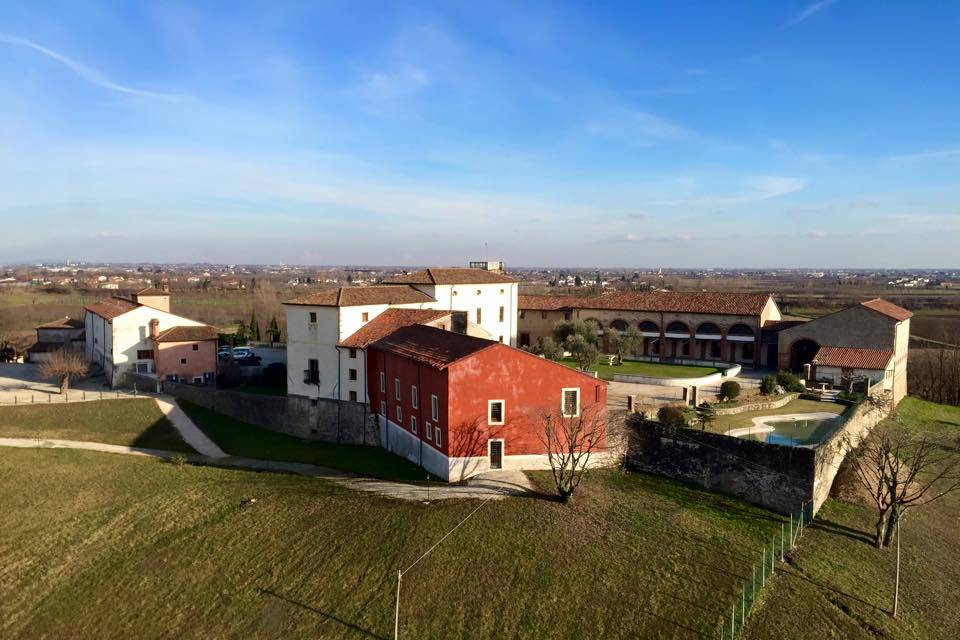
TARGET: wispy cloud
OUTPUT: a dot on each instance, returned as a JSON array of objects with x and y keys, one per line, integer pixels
[
  {"x": 756, "y": 189},
  {"x": 87, "y": 73},
  {"x": 935, "y": 154},
  {"x": 809, "y": 11},
  {"x": 640, "y": 127}
]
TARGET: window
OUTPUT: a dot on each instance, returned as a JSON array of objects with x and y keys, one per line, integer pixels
[
  {"x": 365, "y": 316},
  {"x": 353, "y": 396},
  {"x": 414, "y": 401},
  {"x": 144, "y": 354},
  {"x": 523, "y": 314},
  {"x": 495, "y": 412},
  {"x": 566, "y": 315},
  {"x": 479, "y": 292},
  {"x": 543, "y": 315},
  {"x": 399, "y": 415},
  {"x": 352, "y": 374},
  {"x": 479, "y": 315},
  {"x": 196, "y": 347},
  {"x": 438, "y": 437},
  {"x": 383, "y": 382},
  {"x": 353, "y": 353},
  {"x": 396, "y": 388},
  {"x": 501, "y": 339},
  {"x": 183, "y": 361},
  {"x": 383, "y": 408},
  {"x": 501, "y": 314},
  {"x": 413, "y": 424},
  {"x": 434, "y": 408},
  {"x": 429, "y": 431},
  {"x": 570, "y": 406},
  {"x": 313, "y": 317},
  {"x": 312, "y": 374},
  {"x": 198, "y": 380}
]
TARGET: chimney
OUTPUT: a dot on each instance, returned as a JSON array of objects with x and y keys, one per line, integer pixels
[
  {"x": 166, "y": 286},
  {"x": 154, "y": 328}
]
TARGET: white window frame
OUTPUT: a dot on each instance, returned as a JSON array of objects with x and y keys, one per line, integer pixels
[
  {"x": 396, "y": 388},
  {"x": 434, "y": 407},
  {"x": 413, "y": 425},
  {"x": 429, "y": 429},
  {"x": 399, "y": 415},
  {"x": 414, "y": 397},
  {"x": 563, "y": 397},
  {"x": 383, "y": 382},
  {"x": 438, "y": 437},
  {"x": 503, "y": 412}
]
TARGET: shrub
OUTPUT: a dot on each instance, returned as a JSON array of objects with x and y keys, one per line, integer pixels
[
  {"x": 768, "y": 386},
  {"x": 671, "y": 416},
  {"x": 548, "y": 348},
  {"x": 178, "y": 460},
  {"x": 789, "y": 381},
  {"x": 730, "y": 390}
]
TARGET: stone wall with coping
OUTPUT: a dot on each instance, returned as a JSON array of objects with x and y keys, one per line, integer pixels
[{"x": 757, "y": 406}]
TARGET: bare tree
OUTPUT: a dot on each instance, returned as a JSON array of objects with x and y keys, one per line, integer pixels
[
  {"x": 64, "y": 364},
  {"x": 570, "y": 441},
  {"x": 900, "y": 469}
]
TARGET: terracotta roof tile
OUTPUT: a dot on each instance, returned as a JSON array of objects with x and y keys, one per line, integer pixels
[
  {"x": 721, "y": 303},
  {"x": 152, "y": 291},
  {"x": 359, "y": 296},
  {"x": 854, "y": 358},
  {"x": 450, "y": 276},
  {"x": 887, "y": 308},
  {"x": 111, "y": 307},
  {"x": 188, "y": 334},
  {"x": 431, "y": 346},
  {"x": 388, "y": 322},
  {"x": 63, "y": 323}
]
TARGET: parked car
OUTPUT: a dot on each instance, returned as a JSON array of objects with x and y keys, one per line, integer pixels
[{"x": 241, "y": 353}]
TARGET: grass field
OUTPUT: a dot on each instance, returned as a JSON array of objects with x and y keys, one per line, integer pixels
[
  {"x": 724, "y": 423},
  {"x": 134, "y": 423},
  {"x": 839, "y": 586},
  {"x": 654, "y": 369},
  {"x": 243, "y": 439},
  {"x": 140, "y": 548}
]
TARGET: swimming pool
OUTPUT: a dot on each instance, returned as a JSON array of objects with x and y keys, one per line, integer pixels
[{"x": 798, "y": 430}]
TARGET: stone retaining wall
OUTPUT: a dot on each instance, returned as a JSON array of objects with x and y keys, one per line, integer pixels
[{"x": 757, "y": 406}]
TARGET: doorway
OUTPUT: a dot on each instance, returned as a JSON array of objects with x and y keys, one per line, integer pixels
[{"x": 496, "y": 454}]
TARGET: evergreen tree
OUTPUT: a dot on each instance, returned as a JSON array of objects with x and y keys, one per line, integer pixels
[
  {"x": 274, "y": 330},
  {"x": 254, "y": 333}
]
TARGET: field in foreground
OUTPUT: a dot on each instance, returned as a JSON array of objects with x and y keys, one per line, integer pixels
[
  {"x": 652, "y": 369},
  {"x": 140, "y": 548},
  {"x": 839, "y": 586},
  {"x": 133, "y": 423}
]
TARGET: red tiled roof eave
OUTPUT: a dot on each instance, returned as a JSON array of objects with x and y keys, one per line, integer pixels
[
  {"x": 363, "y": 296},
  {"x": 431, "y": 346},
  {"x": 451, "y": 275},
  {"x": 888, "y": 309},
  {"x": 388, "y": 322},
  {"x": 187, "y": 333},
  {"x": 853, "y": 358},
  {"x": 715, "y": 303}
]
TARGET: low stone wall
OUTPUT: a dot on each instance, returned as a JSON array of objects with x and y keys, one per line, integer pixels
[
  {"x": 669, "y": 382},
  {"x": 758, "y": 406},
  {"x": 327, "y": 420},
  {"x": 775, "y": 477}
]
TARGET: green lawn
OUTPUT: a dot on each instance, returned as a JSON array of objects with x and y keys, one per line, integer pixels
[
  {"x": 242, "y": 439},
  {"x": 134, "y": 423},
  {"x": 104, "y": 546},
  {"x": 839, "y": 586},
  {"x": 723, "y": 424},
  {"x": 655, "y": 369}
]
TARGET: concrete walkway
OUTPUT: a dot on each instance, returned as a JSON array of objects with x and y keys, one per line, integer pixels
[
  {"x": 495, "y": 485},
  {"x": 190, "y": 433}
]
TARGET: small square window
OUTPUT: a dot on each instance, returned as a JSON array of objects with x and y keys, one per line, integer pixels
[
  {"x": 353, "y": 353},
  {"x": 313, "y": 316},
  {"x": 399, "y": 415},
  {"x": 413, "y": 424},
  {"x": 365, "y": 316},
  {"x": 570, "y": 404},
  {"x": 495, "y": 412},
  {"x": 196, "y": 347},
  {"x": 523, "y": 314},
  {"x": 543, "y": 315},
  {"x": 353, "y": 374},
  {"x": 434, "y": 408},
  {"x": 414, "y": 397},
  {"x": 429, "y": 431},
  {"x": 438, "y": 437},
  {"x": 353, "y": 396},
  {"x": 183, "y": 361}
]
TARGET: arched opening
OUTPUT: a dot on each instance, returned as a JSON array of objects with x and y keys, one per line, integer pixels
[
  {"x": 619, "y": 324},
  {"x": 708, "y": 328},
  {"x": 708, "y": 341},
  {"x": 802, "y": 352},
  {"x": 651, "y": 338},
  {"x": 740, "y": 330},
  {"x": 678, "y": 327},
  {"x": 677, "y": 340}
]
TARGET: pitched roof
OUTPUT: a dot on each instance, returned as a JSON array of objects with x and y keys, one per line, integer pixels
[
  {"x": 887, "y": 308},
  {"x": 63, "y": 323},
  {"x": 388, "y": 322},
  {"x": 714, "y": 302},
  {"x": 111, "y": 307},
  {"x": 359, "y": 296},
  {"x": 152, "y": 291},
  {"x": 450, "y": 276},
  {"x": 431, "y": 346},
  {"x": 188, "y": 334},
  {"x": 853, "y": 358}
]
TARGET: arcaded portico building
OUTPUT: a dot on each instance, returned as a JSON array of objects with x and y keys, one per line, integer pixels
[{"x": 711, "y": 326}]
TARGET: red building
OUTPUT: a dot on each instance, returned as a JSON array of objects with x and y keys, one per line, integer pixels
[{"x": 459, "y": 405}]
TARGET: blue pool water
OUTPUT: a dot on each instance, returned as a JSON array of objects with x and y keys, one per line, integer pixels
[{"x": 798, "y": 432}]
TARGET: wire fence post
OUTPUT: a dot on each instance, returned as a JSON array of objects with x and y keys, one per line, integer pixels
[
  {"x": 781, "y": 542},
  {"x": 396, "y": 614}
]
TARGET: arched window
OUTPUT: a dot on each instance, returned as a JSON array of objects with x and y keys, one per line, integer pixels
[
  {"x": 678, "y": 327},
  {"x": 649, "y": 327},
  {"x": 740, "y": 330},
  {"x": 708, "y": 328},
  {"x": 619, "y": 325}
]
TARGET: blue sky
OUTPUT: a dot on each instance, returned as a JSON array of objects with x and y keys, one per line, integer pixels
[{"x": 628, "y": 134}]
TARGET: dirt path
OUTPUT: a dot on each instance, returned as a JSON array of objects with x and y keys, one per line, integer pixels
[
  {"x": 500, "y": 485},
  {"x": 190, "y": 433}
]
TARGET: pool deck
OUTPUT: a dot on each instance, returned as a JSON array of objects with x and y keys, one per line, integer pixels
[{"x": 760, "y": 422}]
